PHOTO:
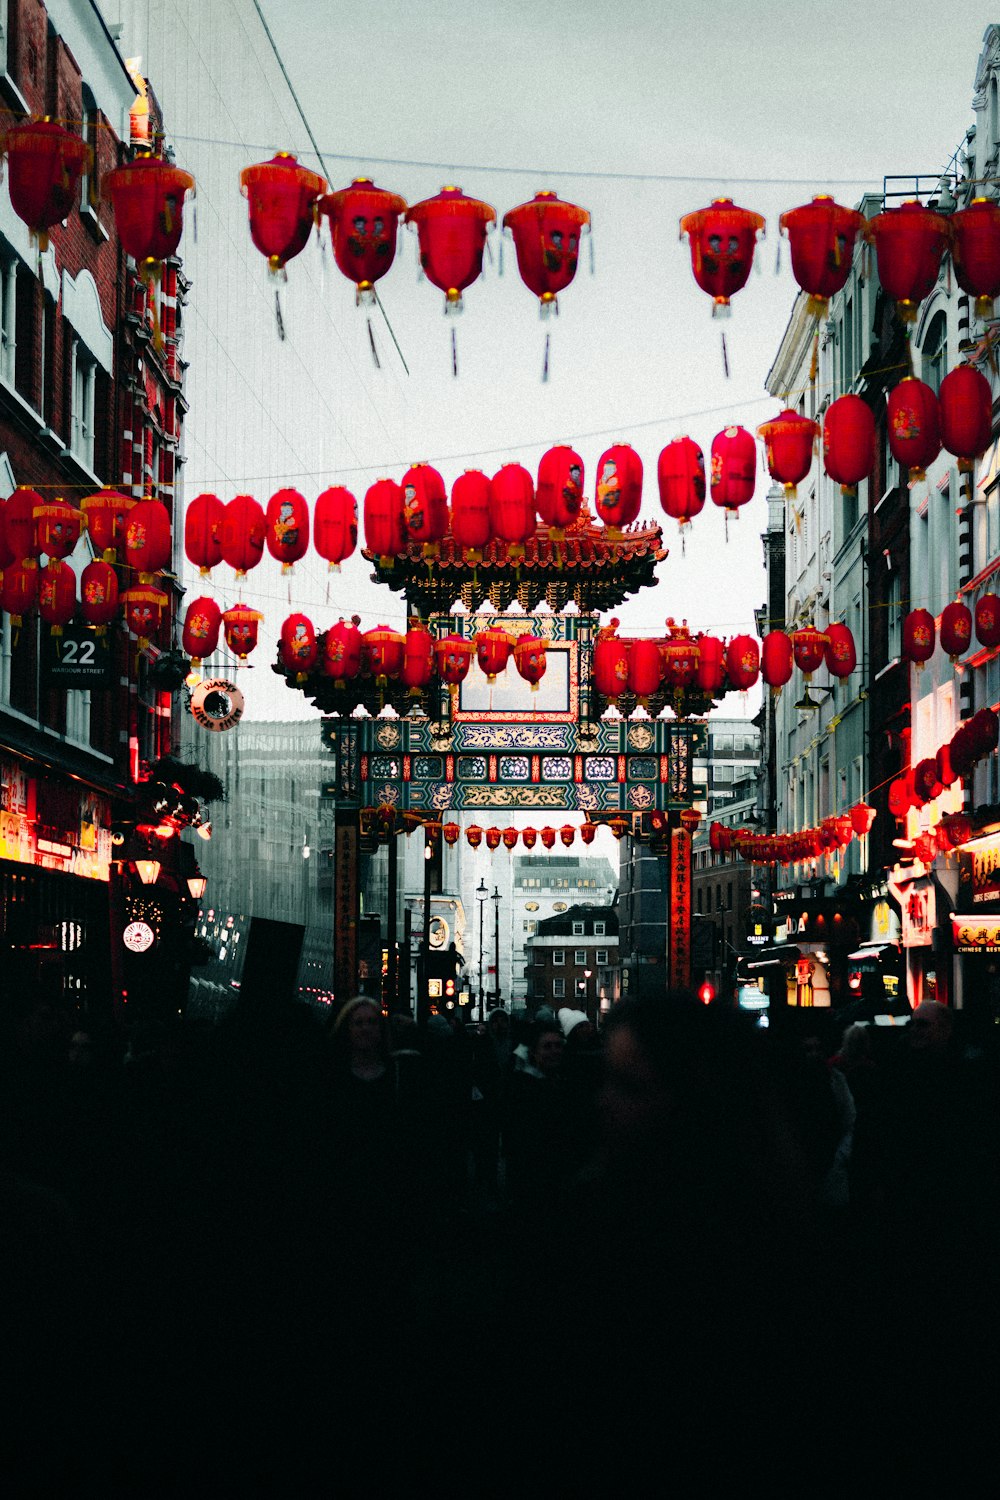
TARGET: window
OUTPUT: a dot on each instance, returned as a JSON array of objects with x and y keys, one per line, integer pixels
[
  {"x": 8, "y": 283},
  {"x": 599, "y": 929},
  {"x": 558, "y": 989},
  {"x": 895, "y": 612},
  {"x": 935, "y": 351},
  {"x": 90, "y": 129},
  {"x": 602, "y": 954},
  {"x": 558, "y": 956},
  {"x": 578, "y": 929},
  {"x": 579, "y": 956},
  {"x": 82, "y": 420}
]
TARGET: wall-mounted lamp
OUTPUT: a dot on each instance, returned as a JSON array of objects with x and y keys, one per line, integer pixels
[
  {"x": 205, "y": 831},
  {"x": 196, "y": 885},
  {"x": 148, "y": 870}
]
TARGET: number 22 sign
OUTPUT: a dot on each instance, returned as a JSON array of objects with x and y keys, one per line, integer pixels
[{"x": 77, "y": 658}]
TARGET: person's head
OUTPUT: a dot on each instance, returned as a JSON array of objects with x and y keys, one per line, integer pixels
[
  {"x": 498, "y": 1022},
  {"x": 856, "y": 1047},
  {"x": 545, "y": 1048},
  {"x": 80, "y": 1053},
  {"x": 931, "y": 1026},
  {"x": 358, "y": 1027},
  {"x": 576, "y": 1027}
]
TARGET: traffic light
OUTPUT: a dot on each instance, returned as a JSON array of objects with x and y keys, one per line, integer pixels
[
  {"x": 706, "y": 993},
  {"x": 440, "y": 979}
]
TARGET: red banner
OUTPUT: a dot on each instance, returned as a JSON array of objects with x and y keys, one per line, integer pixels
[{"x": 679, "y": 939}]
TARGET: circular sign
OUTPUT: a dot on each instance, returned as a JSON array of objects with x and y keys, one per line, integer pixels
[
  {"x": 558, "y": 906},
  {"x": 531, "y": 906},
  {"x": 138, "y": 937},
  {"x": 217, "y": 704},
  {"x": 439, "y": 932}
]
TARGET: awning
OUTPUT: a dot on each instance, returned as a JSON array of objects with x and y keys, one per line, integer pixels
[{"x": 873, "y": 950}]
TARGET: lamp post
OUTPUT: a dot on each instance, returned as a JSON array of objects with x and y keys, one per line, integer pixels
[
  {"x": 481, "y": 894},
  {"x": 495, "y": 898}
]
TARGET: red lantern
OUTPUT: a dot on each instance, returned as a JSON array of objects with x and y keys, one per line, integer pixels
[
  {"x": 493, "y": 648},
  {"x": 821, "y": 235},
  {"x": 710, "y": 674},
  {"x": 147, "y": 538},
  {"x": 680, "y": 473},
  {"x": 203, "y": 532},
  {"x": 343, "y": 648},
  {"x": 546, "y": 235},
  {"x": 418, "y": 658},
  {"x": 104, "y": 517},
  {"x": 721, "y": 239},
  {"x": 919, "y": 633},
  {"x": 840, "y": 654},
  {"x": 529, "y": 659},
  {"x": 453, "y": 655},
  {"x": 645, "y": 668},
  {"x": 510, "y": 837},
  {"x": 364, "y": 221},
  {"x": 548, "y": 837},
  {"x": 148, "y": 199},
  {"x": 244, "y": 527},
  {"x": 57, "y": 528},
  {"x": 528, "y": 837},
  {"x": 849, "y": 441},
  {"x": 788, "y": 442},
  {"x": 451, "y": 833},
  {"x": 588, "y": 832},
  {"x": 282, "y": 199},
  {"x": 913, "y": 431},
  {"x": 962, "y": 751},
  {"x": 610, "y": 662},
  {"x": 619, "y": 488},
  {"x": 945, "y": 771},
  {"x": 99, "y": 594},
  {"x": 57, "y": 595},
  {"x": 287, "y": 527},
  {"x": 743, "y": 662},
  {"x": 809, "y": 649},
  {"x": 6, "y": 555},
  {"x": 144, "y": 608},
  {"x": 719, "y": 838},
  {"x": 909, "y": 243},
  {"x": 690, "y": 818},
  {"x": 957, "y": 828},
  {"x": 471, "y": 526},
  {"x": 975, "y": 252},
  {"x": 202, "y": 624},
  {"x": 734, "y": 468},
  {"x": 985, "y": 727},
  {"x": 567, "y": 833},
  {"x": 776, "y": 660},
  {"x": 965, "y": 409},
  {"x": 425, "y": 507},
  {"x": 451, "y": 231},
  {"x": 862, "y": 818},
  {"x": 474, "y": 834},
  {"x": 988, "y": 620},
  {"x": 956, "y": 629},
  {"x": 925, "y": 781},
  {"x": 44, "y": 163},
  {"x": 19, "y": 523},
  {"x": 335, "y": 526},
  {"x": 560, "y": 489},
  {"x": 385, "y": 649},
  {"x": 512, "y": 507},
  {"x": 239, "y": 626},
  {"x": 899, "y": 799},
  {"x": 493, "y": 836},
  {"x": 679, "y": 655},
  {"x": 385, "y": 521},
  {"x": 297, "y": 646}
]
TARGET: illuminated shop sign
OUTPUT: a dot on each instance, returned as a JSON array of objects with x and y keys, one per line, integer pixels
[{"x": 976, "y": 934}]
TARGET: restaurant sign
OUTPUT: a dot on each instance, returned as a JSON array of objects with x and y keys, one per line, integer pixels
[
  {"x": 981, "y": 869},
  {"x": 976, "y": 934}
]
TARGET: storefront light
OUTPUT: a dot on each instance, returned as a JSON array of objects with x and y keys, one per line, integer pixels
[{"x": 148, "y": 870}]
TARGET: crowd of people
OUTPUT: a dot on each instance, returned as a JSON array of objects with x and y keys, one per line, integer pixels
[{"x": 300, "y": 1251}]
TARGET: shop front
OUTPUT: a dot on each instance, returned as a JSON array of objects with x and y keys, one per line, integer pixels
[
  {"x": 975, "y": 930},
  {"x": 926, "y": 939}
]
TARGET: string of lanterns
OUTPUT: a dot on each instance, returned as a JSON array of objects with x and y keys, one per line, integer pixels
[
  {"x": 834, "y": 833},
  {"x": 385, "y": 821}
]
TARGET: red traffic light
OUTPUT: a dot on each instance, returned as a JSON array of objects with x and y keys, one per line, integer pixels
[{"x": 706, "y": 993}]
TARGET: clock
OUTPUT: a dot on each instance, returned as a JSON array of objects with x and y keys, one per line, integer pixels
[{"x": 138, "y": 937}]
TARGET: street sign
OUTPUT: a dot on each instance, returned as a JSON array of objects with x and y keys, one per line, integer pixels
[{"x": 76, "y": 659}]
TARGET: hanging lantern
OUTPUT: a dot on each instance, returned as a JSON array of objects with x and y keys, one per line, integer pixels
[
  {"x": 962, "y": 751},
  {"x": 560, "y": 490},
  {"x": 679, "y": 655},
  {"x": 99, "y": 594},
  {"x": 286, "y": 522},
  {"x": 493, "y": 648},
  {"x": 19, "y": 523},
  {"x": 776, "y": 660},
  {"x": 987, "y": 618},
  {"x": 645, "y": 669},
  {"x": 610, "y": 664},
  {"x": 809, "y": 649},
  {"x": 548, "y": 837},
  {"x": 925, "y": 781},
  {"x": 956, "y": 629},
  {"x": 567, "y": 834},
  {"x": 588, "y": 832},
  {"x": 742, "y": 662},
  {"x": 451, "y": 833},
  {"x": 493, "y": 836},
  {"x": 975, "y": 252},
  {"x": 512, "y": 508},
  {"x": 57, "y": 595},
  {"x": 710, "y": 673},
  {"x": 619, "y": 826},
  {"x": 239, "y": 626},
  {"x": 734, "y": 469},
  {"x": 919, "y": 634},
  {"x": 471, "y": 527},
  {"x": 849, "y": 441},
  {"x": 913, "y": 430},
  {"x": 965, "y": 410},
  {"x": 510, "y": 837},
  {"x": 788, "y": 442},
  {"x": 451, "y": 232},
  {"x": 6, "y": 555},
  {"x": 721, "y": 239},
  {"x": 104, "y": 517},
  {"x": 957, "y": 828},
  {"x": 19, "y": 589},
  {"x": 343, "y": 647},
  {"x": 203, "y": 532},
  {"x": 821, "y": 235},
  {"x": 528, "y": 837},
  {"x": 619, "y": 488},
  {"x": 385, "y": 521},
  {"x": 945, "y": 771},
  {"x": 364, "y": 221},
  {"x": 425, "y": 507},
  {"x": 529, "y": 659},
  {"x": 680, "y": 473},
  {"x": 147, "y": 538},
  {"x": 144, "y": 609},
  {"x": 335, "y": 526},
  {"x": 282, "y": 199},
  {"x": 44, "y": 163},
  {"x": 862, "y": 818},
  {"x": 297, "y": 646},
  {"x": 841, "y": 654},
  {"x": 899, "y": 800},
  {"x": 244, "y": 528},
  {"x": 385, "y": 649},
  {"x": 148, "y": 199},
  {"x": 690, "y": 818},
  {"x": 909, "y": 243},
  {"x": 200, "y": 635},
  {"x": 453, "y": 656},
  {"x": 57, "y": 528},
  {"x": 985, "y": 727},
  {"x": 474, "y": 834},
  {"x": 418, "y": 658},
  {"x": 546, "y": 234}
]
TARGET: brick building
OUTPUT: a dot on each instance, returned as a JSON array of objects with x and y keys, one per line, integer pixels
[{"x": 573, "y": 960}]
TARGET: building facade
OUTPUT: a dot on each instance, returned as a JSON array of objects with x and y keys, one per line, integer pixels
[{"x": 572, "y": 960}]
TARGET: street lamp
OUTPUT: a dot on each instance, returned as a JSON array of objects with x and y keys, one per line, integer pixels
[
  {"x": 495, "y": 898},
  {"x": 148, "y": 870},
  {"x": 481, "y": 894}
]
